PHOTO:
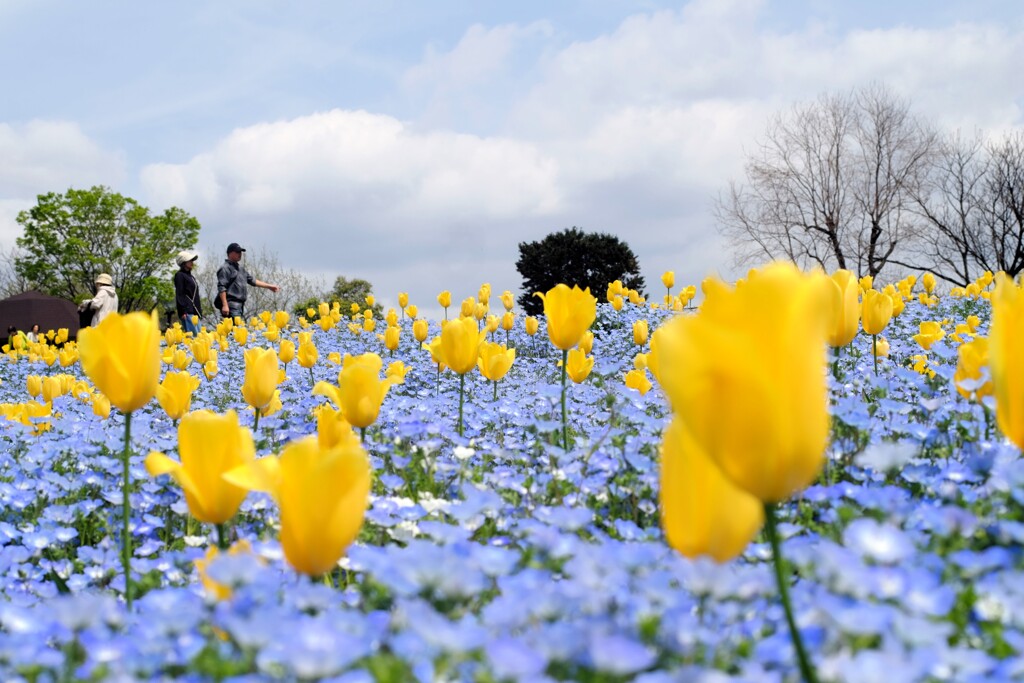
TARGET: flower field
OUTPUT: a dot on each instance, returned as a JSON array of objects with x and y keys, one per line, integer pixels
[{"x": 502, "y": 553}]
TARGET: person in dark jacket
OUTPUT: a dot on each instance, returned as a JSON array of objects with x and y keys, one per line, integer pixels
[
  {"x": 232, "y": 283},
  {"x": 186, "y": 292}
]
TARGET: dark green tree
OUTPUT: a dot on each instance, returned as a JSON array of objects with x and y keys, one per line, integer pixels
[
  {"x": 71, "y": 238},
  {"x": 346, "y": 292},
  {"x": 574, "y": 257}
]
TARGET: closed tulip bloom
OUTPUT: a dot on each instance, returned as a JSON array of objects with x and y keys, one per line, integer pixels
[
  {"x": 210, "y": 369},
  {"x": 261, "y": 377},
  {"x": 369, "y": 325},
  {"x": 579, "y": 365},
  {"x": 444, "y": 299},
  {"x": 52, "y": 388},
  {"x": 495, "y": 360},
  {"x": 209, "y": 446},
  {"x": 307, "y": 354},
  {"x": 322, "y": 494},
  {"x": 668, "y": 278},
  {"x": 468, "y": 307},
  {"x": 484, "y": 294},
  {"x": 866, "y": 283},
  {"x": 323, "y": 309},
  {"x": 928, "y": 282},
  {"x": 121, "y": 356},
  {"x": 391, "y": 338},
  {"x": 746, "y": 376},
  {"x": 881, "y": 348},
  {"x": 67, "y": 356},
  {"x": 34, "y": 385},
  {"x": 460, "y": 343},
  {"x": 403, "y": 299},
  {"x": 391, "y": 317},
  {"x": 637, "y": 379},
  {"x": 241, "y": 335},
  {"x": 1005, "y": 341},
  {"x": 876, "y": 311},
  {"x": 640, "y": 361},
  {"x": 569, "y": 313},
  {"x": 586, "y": 344},
  {"x": 201, "y": 349},
  {"x": 640, "y": 332},
  {"x": 507, "y": 300},
  {"x": 531, "y": 324},
  {"x": 332, "y": 429},
  {"x": 100, "y": 406},
  {"x": 508, "y": 321},
  {"x": 174, "y": 394},
  {"x": 898, "y": 304},
  {"x": 287, "y": 351},
  {"x": 370, "y": 300},
  {"x": 845, "y": 308},
  {"x": 492, "y": 323},
  {"x": 360, "y": 391},
  {"x": 702, "y": 511},
  {"x": 412, "y": 310},
  {"x": 617, "y": 302},
  {"x": 420, "y": 330}
]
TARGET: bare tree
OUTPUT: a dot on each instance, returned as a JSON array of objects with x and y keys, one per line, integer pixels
[
  {"x": 831, "y": 183},
  {"x": 264, "y": 265},
  {"x": 1004, "y": 207},
  {"x": 11, "y": 282}
]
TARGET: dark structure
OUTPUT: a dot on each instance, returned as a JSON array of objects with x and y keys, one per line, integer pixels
[{"x": 31, "y": 307}]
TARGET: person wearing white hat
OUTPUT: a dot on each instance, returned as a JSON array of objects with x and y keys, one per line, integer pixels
[
  {"x": 105, "y": 301},
  {"x": 186, "y": 292}
]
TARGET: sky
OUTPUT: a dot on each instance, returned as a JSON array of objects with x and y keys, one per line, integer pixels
[{"x": 416, "y": 144}]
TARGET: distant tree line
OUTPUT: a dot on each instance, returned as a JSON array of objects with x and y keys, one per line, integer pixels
[{"x": 858, "y": 181}]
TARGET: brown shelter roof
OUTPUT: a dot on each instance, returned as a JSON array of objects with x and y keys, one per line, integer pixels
[{"x": 29, "y": 308}]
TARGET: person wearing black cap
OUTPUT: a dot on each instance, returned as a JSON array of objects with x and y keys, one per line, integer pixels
[{"x": 232, "y": 280}]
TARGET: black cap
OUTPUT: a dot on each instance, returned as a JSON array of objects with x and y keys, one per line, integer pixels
[{"x": 235, "y": 247}]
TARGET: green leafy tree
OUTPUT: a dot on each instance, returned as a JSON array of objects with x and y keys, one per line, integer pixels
[
  {"x": 346, "y": 292},
  {"x": 575, "y": 257},
  {"x": 71, "y": 238}
]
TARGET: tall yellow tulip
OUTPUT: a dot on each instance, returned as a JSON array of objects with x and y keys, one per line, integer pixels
[
  {"x": 360, "y": 391},
  {"x": 640, "y": 332},
  {"x": 420, "y": 330},
  {"x": 702, "y": 511},
  {"x": 569, "y": 313},
  {"x": 845, "y": 308},
  {"x": 531, "y": 324},
  {"x": 287, "y": 351},
  {"x": 459, "y": 347},
  {"x": 444, "y": 300},
  {"x": 322, "y": 494},
  {"x": 507, "y": 300},
  {"x": 121, "y": 356},
  {"x": 1005, "y": 341},
  {"x": 209, "y": 446},
  {"x": 174, "y": 394},
  {"x": 494, "y": 362},
  {"x": 876, "y": 311},
  {"x": 261, "y": 378},
  {"x": 391, "y": 338}
]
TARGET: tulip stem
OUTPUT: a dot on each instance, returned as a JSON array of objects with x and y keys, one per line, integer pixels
[
  {"x": 256, "y": 422},
  {"x": 807, "y": 672},
  {"x": 222, "y": 537},
  {"x": 462, "y": 391},
  {"x": 126, "y": 508},
  {"x": 311, "y": 379},
  {"x": 495, "y": 383},
  {"x": 874, "y": 351},
  {"x": 565, "y": 428},
  {"x": 362, "y": 435}
]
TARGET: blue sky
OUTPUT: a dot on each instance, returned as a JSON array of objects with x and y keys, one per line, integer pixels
[{"x": 415, "y": 144}]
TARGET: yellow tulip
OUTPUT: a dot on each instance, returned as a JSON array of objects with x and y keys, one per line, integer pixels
[
  {"x": 495, "y": 360},
  {"x": 370, "y": 300},
  {"x": 121, "y": 356},
  {"x": 396, "y": 371},
  {"x": 100, "y": 406},
  {"x": 507, "y": 300},
  {"x": 569, "y": 313},
  {"x": 332, "y": 429},
  {"x": 929, "y": 333},
  {"x": 444, "y": 299},
  {"x": 261, "y": 377},
  {"x": 467, "y": 307},
  {"x": 412, "y": 310},
  {"x": 866, "y": 283},
  {"x": 360, "y": 391},
  {"x": 391, "y": 317},
  {"x": 214, "y": 589},
  {"x": 876, "y": 311},
  {"x": 369, "y": 324},
  {"x": 174, "y": 394},
  {"x": 845, "y": 308},
  {"x": 746, "y": 376},
  {"x": 1005, "y": 341},
  {"x": 325, "y": 324},
  {"x": 274, "y": 406},
  {"x": 492, "y": 324},
  {"x": 480, "y": 311},
  {"x": 702, "y": 511},
  {"x": 420, "y": 330},
  {"x": 201, "y": 349},
  {"x": 881, "y": 348},
  {"x": 287, "y": 351},
  {"x": 52, "y": 388},
  {"x": 322, "y": 494},
  {"x": 579, "y": 365},
  {"x": 508, "y": 321},
  {"x": 308, "y": 354},
  {"x": 640, "y": 361},
  {"x": 640, "y": 332},
  {"x": 586, "y": 344},
  {"x": 637, "y": 379},
  {"x": 210, "y": 369},
  {"x": 531, "y": 324},
  {"x": 928, "y": 282},
  {"x": 209, "y": 445},
  {"x": 391, "y": 338},
  {"x": 972, "y": 357},
  {"x": 334, "y": 357},
  {"x": 403, "y": 299},
  {"x": 668, "y": 278},
  {"x": 67, "y": 356},
  {"x": 281, "y": 318},
  {"x": 241, "y": 335},
  {"x": 617, "y": 302},
  {"x": 460, "y": 341},
  {"x": 34, "y": 385},
  {"x": 272, "y": 333},
  {"x": 484, "y": 294}
]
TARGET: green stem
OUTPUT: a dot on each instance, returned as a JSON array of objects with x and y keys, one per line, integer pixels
[
  {"x": 807, "y": 672},
  {"x": 222, "y": 536},
  {"x": 565, "y": 422},
  {"x": 874, "y": 351},
  {"x": 835, "y": 362},
  {"x": 126, "y": 510},
  {"x": 495, "y": 383},
  {"x": 256, "y": 422},
  {"x": 362, "y": 435},
  {"x": 462, "y": 391},
  {"x": 312, "y": 381}
]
